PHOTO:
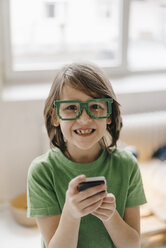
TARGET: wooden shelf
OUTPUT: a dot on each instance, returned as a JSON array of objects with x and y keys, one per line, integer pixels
[{"x": 153, "y": 230}]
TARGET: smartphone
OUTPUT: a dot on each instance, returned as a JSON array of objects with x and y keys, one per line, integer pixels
[{"x": 91, "y": 182}]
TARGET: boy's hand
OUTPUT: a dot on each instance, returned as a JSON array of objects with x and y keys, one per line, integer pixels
[
  {"x": 79, "y": 204},
  {"x": 107, "y": 209}
]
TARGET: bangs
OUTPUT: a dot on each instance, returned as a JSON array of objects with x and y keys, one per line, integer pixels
[
  {"x": 85, "y": 81},
  {"x": 81, "y": 87}
]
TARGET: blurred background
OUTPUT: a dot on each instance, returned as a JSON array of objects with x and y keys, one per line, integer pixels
[{"x": 127, "y": 38}]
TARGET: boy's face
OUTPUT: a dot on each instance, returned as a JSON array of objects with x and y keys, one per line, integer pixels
[{"x": 84, "y": 133}]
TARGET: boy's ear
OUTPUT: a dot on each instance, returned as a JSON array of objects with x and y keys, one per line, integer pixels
[
  {"x": 54, "y": 118},
  {"x": 56, "y": 123},
  {"x": 108, "y": 121}
]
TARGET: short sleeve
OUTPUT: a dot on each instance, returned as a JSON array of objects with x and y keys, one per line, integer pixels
[
  {"x": 41, "y": 195},
  {"x": 136, "y": 195}
]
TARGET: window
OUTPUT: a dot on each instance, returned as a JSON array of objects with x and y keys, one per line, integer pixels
[
  {"x": 122, "y": 36},
  {"x": 73, "y": 29},
  {"x": 50, "y": 10},
  {"x": 147, "y": 42}
]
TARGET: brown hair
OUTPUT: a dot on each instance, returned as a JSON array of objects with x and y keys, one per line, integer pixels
[{"x": 89, "y": 79}]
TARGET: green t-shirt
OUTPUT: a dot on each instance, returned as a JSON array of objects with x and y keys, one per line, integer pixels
[{"x": 50, "y": 174}]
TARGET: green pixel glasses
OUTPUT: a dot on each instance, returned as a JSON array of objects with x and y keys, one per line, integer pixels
[{"x": 72, "y": 109}]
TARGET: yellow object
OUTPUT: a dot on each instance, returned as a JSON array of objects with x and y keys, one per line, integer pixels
[{"x": 18, "y": 207}]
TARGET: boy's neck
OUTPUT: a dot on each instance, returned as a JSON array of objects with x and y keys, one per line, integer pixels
[{"x": 83, "y": 156}]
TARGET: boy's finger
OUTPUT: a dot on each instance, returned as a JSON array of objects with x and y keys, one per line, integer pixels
[
  {"x": 74, "y": 183},
  {"x": 92, "y": 191},
  {"x": 109, "y": 198}
]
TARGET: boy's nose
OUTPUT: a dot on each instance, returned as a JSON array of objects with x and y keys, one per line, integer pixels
[{"x": 84, "y": 115}]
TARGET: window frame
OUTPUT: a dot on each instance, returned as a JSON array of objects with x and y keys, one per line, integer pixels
[{"x": 34, "y": 76}]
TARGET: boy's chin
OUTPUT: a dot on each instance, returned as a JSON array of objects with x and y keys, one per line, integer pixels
[{"x": 87, "y": 147}]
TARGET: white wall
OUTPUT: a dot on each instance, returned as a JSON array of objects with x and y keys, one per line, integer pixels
[{"x": 21, "y": 137}]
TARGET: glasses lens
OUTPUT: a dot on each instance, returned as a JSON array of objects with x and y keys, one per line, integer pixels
[
  {"x": 69, "y": 110},
  {"x": 98, "y": 108}
]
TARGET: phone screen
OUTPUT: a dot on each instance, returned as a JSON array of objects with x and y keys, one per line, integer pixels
[{"x": 91, "y": 182}]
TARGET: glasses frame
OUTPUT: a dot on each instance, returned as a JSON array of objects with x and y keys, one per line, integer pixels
[{"x": 84, "y": 105}]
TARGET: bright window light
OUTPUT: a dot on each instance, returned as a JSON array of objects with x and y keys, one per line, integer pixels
[
  {"x": 147, "y": 35},
  {"x": 46, "y": 34}
]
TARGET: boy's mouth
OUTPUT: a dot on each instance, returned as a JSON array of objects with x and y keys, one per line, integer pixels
[{"x": 84, "y": 131}]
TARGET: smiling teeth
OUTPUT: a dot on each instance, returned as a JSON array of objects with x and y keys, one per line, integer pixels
[{"x": 87, "y": 131}]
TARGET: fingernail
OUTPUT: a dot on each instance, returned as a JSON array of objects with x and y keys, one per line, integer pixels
[{"x": 82, "y": 176}]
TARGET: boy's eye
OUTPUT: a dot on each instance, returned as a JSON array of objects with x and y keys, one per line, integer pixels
[
  {"x": 71, "y": 107},
  {"x": 95, "y": 107}
]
